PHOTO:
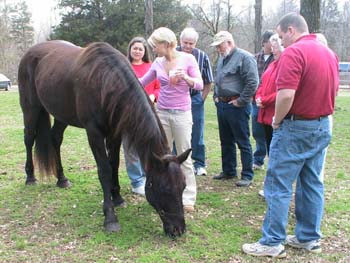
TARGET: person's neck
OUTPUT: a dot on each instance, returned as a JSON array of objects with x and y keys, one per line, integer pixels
[
  {"x": 171, "y": 55},
  {"x": 300, "y": 35},
  {"x": 137, "y": 62}
]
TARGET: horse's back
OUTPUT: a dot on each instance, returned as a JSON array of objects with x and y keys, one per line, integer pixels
[{"x": 44, "y": 76}]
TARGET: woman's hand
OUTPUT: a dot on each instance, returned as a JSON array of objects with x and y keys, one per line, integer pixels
[
  {"x": 152, "y": 97},
  {"x": 259, "y": 103}
]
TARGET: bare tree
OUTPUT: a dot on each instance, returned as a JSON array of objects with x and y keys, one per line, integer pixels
[
  {"x": 148, "y": 17},
  {"x": 311, "y": 11},
  {"x": 210, "y": 19},
  {"x": 258, "y": 25}
]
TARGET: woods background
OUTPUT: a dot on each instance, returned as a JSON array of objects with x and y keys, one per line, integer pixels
[{"x": 118, "y": 21}]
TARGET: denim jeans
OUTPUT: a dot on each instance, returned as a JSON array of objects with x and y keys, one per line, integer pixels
[
  {"x": 134, "y": 168},
  {"x": 259, "y": 137},
  {"x": 197, "y": 140},
  {"x": 234, "y": 129},
  {"x": 297, "y": 153}
]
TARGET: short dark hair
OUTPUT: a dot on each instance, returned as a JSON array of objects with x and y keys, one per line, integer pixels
[
  {"x": 295, "y": 20},
  {"x": 266, "y": 36},
  {"x": 147, "y": 56}
]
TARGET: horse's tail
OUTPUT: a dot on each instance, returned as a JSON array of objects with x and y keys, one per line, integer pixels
[{"x": 45, "y": 154}]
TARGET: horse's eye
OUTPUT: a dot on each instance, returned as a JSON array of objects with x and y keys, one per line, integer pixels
[
  {"x": 149, "y": 185},
  {"x": 161, "y": 212}
]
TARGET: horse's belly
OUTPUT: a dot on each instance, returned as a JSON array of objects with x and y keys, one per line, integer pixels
[{"x": 59, "y": 101}]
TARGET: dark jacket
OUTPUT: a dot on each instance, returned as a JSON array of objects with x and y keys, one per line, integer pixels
[{"x": 237, "y": 75}]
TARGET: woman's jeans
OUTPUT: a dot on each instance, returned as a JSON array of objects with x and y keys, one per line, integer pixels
[{"x": 134, "y": 168}]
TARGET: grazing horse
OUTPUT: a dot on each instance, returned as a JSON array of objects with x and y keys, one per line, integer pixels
[{"x": 96, "y": 89}]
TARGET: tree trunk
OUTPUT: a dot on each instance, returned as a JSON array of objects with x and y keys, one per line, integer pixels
[
  {"x": 258, "y": 22},
  {"x": 311, "y": 11},
  {"x": 148, "y": 18}
]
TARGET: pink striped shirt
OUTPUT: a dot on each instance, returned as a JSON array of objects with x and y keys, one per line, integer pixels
[{"x": 174, "y": 96}]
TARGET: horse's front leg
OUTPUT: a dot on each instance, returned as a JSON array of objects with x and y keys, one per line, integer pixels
[
  {"x": 113, "y": 149},
  {"x": 97, "y": 145}
]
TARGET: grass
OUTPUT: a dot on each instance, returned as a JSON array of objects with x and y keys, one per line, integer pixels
[{"x": 45, "y": 224}]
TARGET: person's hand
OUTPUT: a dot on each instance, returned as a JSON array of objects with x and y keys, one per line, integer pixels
[
  {"x": 274, "y": 124},
  {"x": 152, "y": 97},
  {"x": 259, "y": 103},
  {"x": 234, "y": 103},
  {"x": 181, "y": 74}
]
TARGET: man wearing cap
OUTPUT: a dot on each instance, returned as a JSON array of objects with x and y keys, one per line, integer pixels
[
  {"x": 236, "y": 81},
  {"x": 263, "y": 59}
]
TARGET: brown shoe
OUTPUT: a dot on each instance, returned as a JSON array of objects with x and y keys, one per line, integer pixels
[{"x": 189, "y": 208}]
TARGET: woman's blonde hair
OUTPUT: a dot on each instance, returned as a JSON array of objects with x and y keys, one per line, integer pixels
[
  {"x": 162, "y": 35},
  {"x": 275, "y": 39}
]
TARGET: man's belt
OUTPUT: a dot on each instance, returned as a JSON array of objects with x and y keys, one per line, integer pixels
[
  {"x": 227, "y": 99},
  {"x": 194, "y": 92},
  {"x": 294, "y": 117}
]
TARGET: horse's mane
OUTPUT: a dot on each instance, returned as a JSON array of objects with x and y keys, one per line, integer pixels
[{"x": 128, "y": 110}]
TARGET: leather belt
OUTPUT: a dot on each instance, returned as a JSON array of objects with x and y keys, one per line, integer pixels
[
  {"x": 301, "y": 118},
  {"x": 227, "y": 99},
  {"x": 194, "y": 92}
]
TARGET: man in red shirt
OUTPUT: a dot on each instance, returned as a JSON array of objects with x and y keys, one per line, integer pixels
[{"x": 307, "y": 82}]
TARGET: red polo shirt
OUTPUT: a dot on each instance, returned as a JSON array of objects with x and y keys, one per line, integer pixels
[{"x": 311, "y": 69}]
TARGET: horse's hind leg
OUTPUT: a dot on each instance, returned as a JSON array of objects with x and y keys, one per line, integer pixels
[
  {"x": 57, "y": 131},
  {"x": 113, "y": 149},
  {"x": 30, "y": 118}
]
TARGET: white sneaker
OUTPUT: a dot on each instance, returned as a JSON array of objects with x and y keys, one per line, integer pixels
[
  {"x": 261, "y": 193},
  {"x": 313, "y": 246},
  {"x": 259, "y": 250},
  {"x": 139, "y": 190},
  {"x": 200, "y": 171}
]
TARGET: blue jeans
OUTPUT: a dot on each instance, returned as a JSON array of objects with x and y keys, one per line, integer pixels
[
  {"x": 197, "y": 140},
  {"x": 259, "y": 137},
  {"x": 234, "y": 129},
  {"x": 297, "y": 153},
  {"x": 134, "y": 168}
]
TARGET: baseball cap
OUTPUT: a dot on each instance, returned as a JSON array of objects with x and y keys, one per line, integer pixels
[{"x": 221, "y": 37}]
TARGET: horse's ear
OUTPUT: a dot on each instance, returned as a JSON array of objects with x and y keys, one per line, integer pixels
[{"x": 183, "y": 157}]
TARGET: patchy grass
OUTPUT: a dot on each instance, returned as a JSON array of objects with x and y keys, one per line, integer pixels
[{"x": 45, "y": 224}]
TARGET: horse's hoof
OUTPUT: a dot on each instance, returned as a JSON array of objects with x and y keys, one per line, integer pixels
[
  {"x": 112, "y": 227},
  {"x": 63, "y": 184},
  {"x": 31, "y": 181},
  {"x": 122, "y": 205},
  {"x": 119, "y": 203}
]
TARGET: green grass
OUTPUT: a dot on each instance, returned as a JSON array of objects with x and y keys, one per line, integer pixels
[{"x": 45, "y": 224}]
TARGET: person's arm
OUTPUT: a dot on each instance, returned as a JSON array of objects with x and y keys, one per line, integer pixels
[
  {"x": 207, "y": 77},
  {"x": 284, "y": 101},
  {"x": 193, "y": 76},
  {"x": 249, "y": 74},
  {"x": 206, "y": 90},
  {"x": 150, "y": 75}
]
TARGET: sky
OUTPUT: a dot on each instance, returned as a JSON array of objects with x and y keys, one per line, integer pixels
[{"x": 44, "y": 14}]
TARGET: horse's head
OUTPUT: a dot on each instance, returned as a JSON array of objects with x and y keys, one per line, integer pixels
[{"x": 164, "y": 187}]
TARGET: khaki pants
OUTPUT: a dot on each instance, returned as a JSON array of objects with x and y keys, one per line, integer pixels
[{"x": 178, "y": 127}]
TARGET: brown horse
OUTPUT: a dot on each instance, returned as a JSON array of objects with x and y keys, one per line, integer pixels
[{"x": 96, "y": 89}]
